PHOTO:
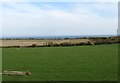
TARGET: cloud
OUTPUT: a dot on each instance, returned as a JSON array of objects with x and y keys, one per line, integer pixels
[{"x": 26, "y": 19}]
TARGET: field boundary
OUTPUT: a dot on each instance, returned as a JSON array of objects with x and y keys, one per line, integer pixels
[{"x": 17, "y": 43}]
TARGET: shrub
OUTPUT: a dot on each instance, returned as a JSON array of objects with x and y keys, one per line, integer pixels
[{"x": 34, "y": 45}]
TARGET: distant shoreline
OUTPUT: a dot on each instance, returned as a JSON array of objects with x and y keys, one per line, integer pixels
[{"x": 59, "y": 37}]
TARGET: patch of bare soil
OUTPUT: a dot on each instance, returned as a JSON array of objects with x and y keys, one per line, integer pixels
[{"x": 16, "y": 73}]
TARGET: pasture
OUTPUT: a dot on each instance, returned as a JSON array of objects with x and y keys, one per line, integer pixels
[{"x": 78, "y": 63}]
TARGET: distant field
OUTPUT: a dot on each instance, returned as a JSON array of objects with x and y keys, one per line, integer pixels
[
  {"x": 81, "y": 63},
  {"x": 37, "y": 42}
]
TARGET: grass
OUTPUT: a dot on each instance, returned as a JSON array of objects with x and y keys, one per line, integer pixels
[{"x": 80, "y": 63}]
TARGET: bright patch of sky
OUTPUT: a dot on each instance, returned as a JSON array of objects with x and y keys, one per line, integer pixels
[{"x": 59, "y": 18}]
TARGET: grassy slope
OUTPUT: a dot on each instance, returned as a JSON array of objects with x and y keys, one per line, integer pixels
[{"x": 63, "y": 63}]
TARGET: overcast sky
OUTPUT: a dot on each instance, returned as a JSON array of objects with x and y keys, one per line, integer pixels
[{"x": 59, "y": 18}]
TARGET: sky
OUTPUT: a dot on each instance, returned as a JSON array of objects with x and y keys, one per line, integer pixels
[{"x": 58, "y": 18}]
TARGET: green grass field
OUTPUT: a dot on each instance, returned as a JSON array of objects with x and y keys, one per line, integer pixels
[{"x": 80, "y": 63}]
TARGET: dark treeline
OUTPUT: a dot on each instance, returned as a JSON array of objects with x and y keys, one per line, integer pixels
[
  {"x": 105, "y": 40},
  {"x": 49, "y": 38}
]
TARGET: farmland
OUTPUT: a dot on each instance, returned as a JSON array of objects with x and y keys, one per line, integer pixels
[
  {"x": 37, "y": 42},
  {"x": 81, "y": 63}
]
